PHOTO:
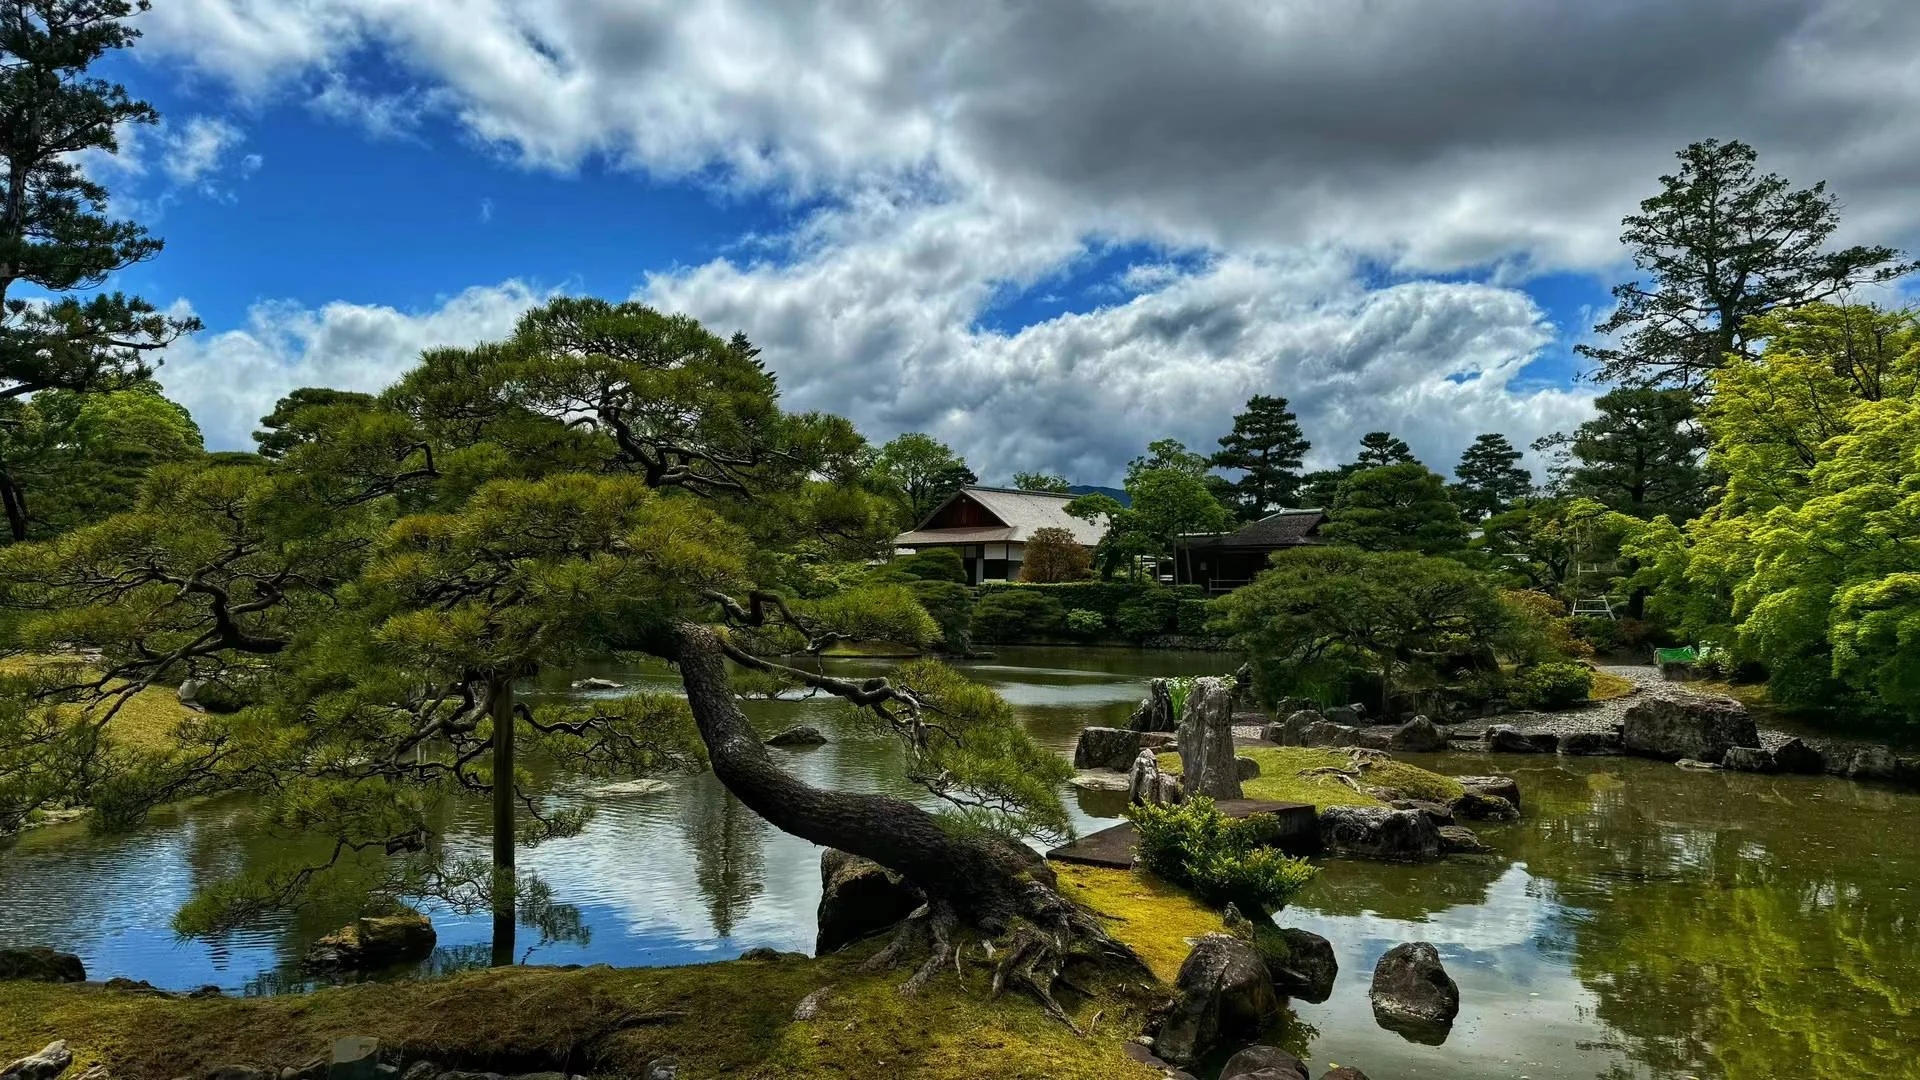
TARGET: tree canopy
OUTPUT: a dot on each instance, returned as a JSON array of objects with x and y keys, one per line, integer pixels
[
  {"x": 921, "y": 472},
  {"x": 1401, "y": 507},
  {"x": 1053, "y": 555},
  {"x": 1643, "y": 455},
  {"x": 1040, "y": 481},
  {"x": 1265, "y": 446},
  {"x": 1489, "y": 479},
  {"x": 1379, "y": 448}
]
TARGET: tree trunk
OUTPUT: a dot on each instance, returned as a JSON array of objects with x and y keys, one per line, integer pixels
[
  {"x": 979, "y": 879},
  {"x": 503, "y": 828},
  {"x": 16, "y": 504}
]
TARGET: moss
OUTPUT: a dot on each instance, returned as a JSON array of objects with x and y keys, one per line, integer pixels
[
  {"x": 1609, "y": 687},
  {"x": 1751, "y": 695},
  {"x": 1156, "y": 919},
  {"x": 730, "y": 1019},
  {"x": 145, "y": 724},
  {"x": 1280, "y": 778}
]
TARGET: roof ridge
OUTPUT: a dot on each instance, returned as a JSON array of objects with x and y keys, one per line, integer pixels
[{"x": 1068, "y": 495}]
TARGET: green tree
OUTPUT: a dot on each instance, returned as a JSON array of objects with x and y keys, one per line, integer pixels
[
  {"x": 1721, "y": 244},
  {"x": 1319, "y": 488},
  {"x": 1168, "y": 455},
  {"x": 1489, "y": 478},
  {"x": 55, "y": 233},
  {"x": 87, "y": 454},
  {"x": 1643, "y": 455},
  {"x": 922, "y": 472},
  {"x": 283, "y": 428},
  {"x": 1395, "y": 508},
  {"x": 1166, "y": 502},
  {"x": 1040, "y": 481},
  {"x": 1265, "y": 446},
  {"x": 1379, "y": 448}
]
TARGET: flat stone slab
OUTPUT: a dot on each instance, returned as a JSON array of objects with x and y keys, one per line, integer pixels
[{"x": 1113, "y": 847}]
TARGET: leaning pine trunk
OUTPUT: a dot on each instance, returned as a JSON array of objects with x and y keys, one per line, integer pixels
[
  {"x": 978, "y": 879},
  {"x": 503, "y": 828}
]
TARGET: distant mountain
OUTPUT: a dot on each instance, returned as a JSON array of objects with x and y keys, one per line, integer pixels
[{"x": 1119, "y": 494}]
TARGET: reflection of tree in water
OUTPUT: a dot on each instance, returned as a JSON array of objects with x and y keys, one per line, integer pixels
[
  {"x": 1735, "y": 926},
  {"x": 728, "y": 842},
  {"x": 1397, "y": 891}
]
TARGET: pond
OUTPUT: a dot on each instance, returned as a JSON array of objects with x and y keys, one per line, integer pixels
[{"x": 1639, "y": 921}]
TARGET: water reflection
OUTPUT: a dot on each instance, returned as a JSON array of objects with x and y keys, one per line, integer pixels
[{"x": 1638, "y": 922}]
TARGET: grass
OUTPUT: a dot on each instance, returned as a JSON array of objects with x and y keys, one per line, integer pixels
[
  {"x": 1748, "y": 694},
  {"x": 1156, "y": 919},
  {"x": 1608, "y": 686},
  {"x": 1280, "y": 777},
  {"x": 145, "y": 724}
]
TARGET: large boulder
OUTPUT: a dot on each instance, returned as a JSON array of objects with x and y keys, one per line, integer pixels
[
  {"x": 373, "y": 943},
  {"x": 39, "y": 964},
  {"x": 1795, "y": 756},
  {"x": 1264, "y": 1063},
  {"x": 1749, "y": 759},
  {"x": 1507, "y": 739},
  {"x": 799, "y": 735},
  {"x": 1675, "y": 726},
  {"x": 858, "y": 897},
  {"x": 1309, "y": 968},
  {"x": 1205, "y": 739},
  {"x": 1589, "y": 743},
  {"x": 1343, "y": 1072},
  {"x": 1347, "y": 715},
  {"x": 1155, "y": 713},
  {"x": 1223, "y": 990},
  {"x": 1292, "y": 730},
  {"x": 1328, "y": 733},
  {"x": 1376, "y": 832},
  {"x": 1411, "y": 988},
  {"x": 1503, "y": 787},
  {"x": 1418, "y": 736},
  {"x": 1148, "y": 784},
  {"x": 1460, "y": 840},
  {"x": 1872, "y": 763},
  {"x": 50, "y": 1062},
  {"x": 1114, "y": 748}
]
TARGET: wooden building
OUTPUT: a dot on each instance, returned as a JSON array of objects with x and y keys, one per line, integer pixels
[
  {"x": 990, "y": 528},
  {"x": 1222, "y": 562}
]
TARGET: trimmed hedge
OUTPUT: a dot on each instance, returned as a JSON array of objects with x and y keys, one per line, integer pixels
[{"x": 1133, "y": 610}]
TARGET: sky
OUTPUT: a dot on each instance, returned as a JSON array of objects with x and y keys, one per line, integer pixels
[{"x": 1046, "y": 233}]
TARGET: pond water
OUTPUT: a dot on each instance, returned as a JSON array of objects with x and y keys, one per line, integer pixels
[{"x": 1639, "y": 921}]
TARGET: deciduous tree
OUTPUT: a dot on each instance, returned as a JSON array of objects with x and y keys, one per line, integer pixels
[
  {"x": 923, "y": 472},
  {"x": 1055, "y": 554},
  {"x": 1040, "y": 481}
]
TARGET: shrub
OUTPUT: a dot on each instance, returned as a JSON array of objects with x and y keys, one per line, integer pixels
[
  {"x": 1147, "y": 615},
  {"x": 1084, "y": 623},
  {"x": 1539, "y": 629},
  {"x": 877, "y": 613},
  {"x": 933, "y": 564},
  {"x": 1223, "y": 861},
  {"x": 1009, "y": 615},
  {"x": 1192, "y": 617},
  {"x": 1552, "y": 686},
  {"x": 1603, "y": 634},
  {"x": 951, "y": 606},
  {"x": 1053, "y": 555}
]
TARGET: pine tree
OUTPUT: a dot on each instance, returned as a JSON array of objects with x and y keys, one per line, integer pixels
[
  {"x": 1266, "y": 445},
  {"x": 1378, "y": 448},
  {"x": 1489, "y": 478},
  {"x": 1644, "y": 455},
  {"x": 1400, "y": 507}
]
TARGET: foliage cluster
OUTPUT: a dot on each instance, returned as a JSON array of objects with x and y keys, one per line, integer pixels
[{"x": 1222, "y": 860}]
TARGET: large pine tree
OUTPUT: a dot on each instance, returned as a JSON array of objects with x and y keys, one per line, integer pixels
[
  {"x": 1381, "y": 448},
  {"x": 1266, "y": 446},
  {"x": 1489, "y": 478}
]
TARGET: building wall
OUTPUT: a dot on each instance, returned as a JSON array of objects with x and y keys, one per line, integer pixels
[{"x": 987, "y": 562}]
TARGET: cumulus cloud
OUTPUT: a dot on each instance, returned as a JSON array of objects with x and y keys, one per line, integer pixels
[
  {"x": 199, "y": 149},
  {"x": 228, "y": 380}
]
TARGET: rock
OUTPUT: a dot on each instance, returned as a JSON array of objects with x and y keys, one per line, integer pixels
[
  {"x": 595, "y": 684},
  {"x": 39, "y": 964},
  {"x": 661, "y": 1069},
  {"x": 1248, "y": 768},
  {"x": 1345, "y": 715},
  {"x": 1507, "y": 739},
  {"x": 1697, "y": 766},
  {"x": 1418, "y": 736},
  {"x": 1359, "y": 711},
  {"x": 1344, "y": 1072},
  {"x": 124, "y": 985},
  {"x": 1222, "y": 990},
  {"x": 802, "y": 735},
  {"x": 1205, "y": 739},
  {"x": 1287, "y": 706},
  {"x": 1748, "y": 759},
  {"x": 809, "y": 1006},
  {"x": 1376, "y": 832},
  {"x": 858, "y": 897},
  {"x": 316, "y": 1068},
  {"x": 1795, "y": 756},
  {"x": 372, "y": 943},
  {"x": 50, "y": 1062},
  {"x": 419, "y": 1070},
  {"x": 1328, "y": 733},
  {"x": 1101, "y": 780},
  {"x": 1460, "y": 840},
  {"x": 1291, "y": 731},
  {"x": 1503, "y": 787},
  {"x": 1440, "y": 814},
  {"x": 1411, "y": 987},
  {"x": 1671, "y": 727},
  {"x": 1140, "y": 1049},
  {"x": 207, "y": 991},
  {"x": 1590, "y": 743},
  {"x": 629, "y": 788},
  {"x": 1479, "y": 806},
  {"x": 354, "y": 1057},
  {"x": 189, "y": 692},
  {"x": 1146, "y": 783},
  {"x": 1309, "y": 969},
  {"x": 761, "y": 954},
  {"x": 1872, "y": 763},
  {"x": 1264, "y": 1063},
  {"x": 1114, "y": 748},
  {"x": 240, "y": 1072},
  {"x": 1156, "y": 712},
  {"x": 1370, "y": 739}
]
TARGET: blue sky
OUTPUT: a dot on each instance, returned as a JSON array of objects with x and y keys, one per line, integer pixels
[{"x": 1046, "y": 236}]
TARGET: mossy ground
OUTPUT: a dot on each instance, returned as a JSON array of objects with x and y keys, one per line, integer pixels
[
  {"x": 731, "y": 1019},
  {"x": 145, "y": 724},
  {"x": 1280, "y": 777},
  {"x": 1609, "y": 687}
]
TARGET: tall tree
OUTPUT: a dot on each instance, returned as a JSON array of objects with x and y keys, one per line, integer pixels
[
  {"x": 1643, "y": 455},
  {"x": 1378, "y": 448},
  {"x": 55, "y": 234},
  {"x": 1166, "y": 502},
  {"x": 1266, "y": 446},
  {"x": 284, "y": 428},
  {"x": 87, "y": 454},
  {"x": 1489, "y": 479},
  {"x": 1395, "y": 508},
  {"x": 1720, "y": 244},
  {"x": 924, "y": 472},
  {"x": 1169, "y": 455},
  {"x": 1040, "y": 481}
]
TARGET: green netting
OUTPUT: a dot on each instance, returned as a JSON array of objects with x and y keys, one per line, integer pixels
[{"x": 1683, "y": 655}]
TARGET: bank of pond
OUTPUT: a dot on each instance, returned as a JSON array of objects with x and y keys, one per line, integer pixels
[{"x": 1635, "y": 920}]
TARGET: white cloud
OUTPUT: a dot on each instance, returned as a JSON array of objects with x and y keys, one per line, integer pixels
[
  {"x": 227, "y": 380},
  {"x": 198, "y": 149}
]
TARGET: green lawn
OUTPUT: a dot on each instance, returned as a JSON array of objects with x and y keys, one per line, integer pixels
[{"x": 1280, "y": 777}]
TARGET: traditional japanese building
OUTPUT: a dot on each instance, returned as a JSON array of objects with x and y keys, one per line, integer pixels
[
  {"x": 990, "y": 528},
  {"x": 1222, "y": 562}
]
